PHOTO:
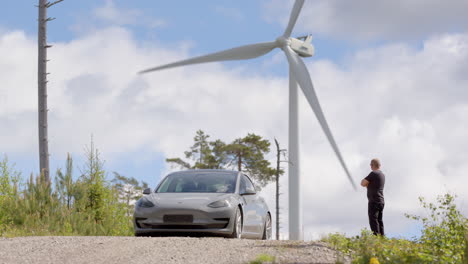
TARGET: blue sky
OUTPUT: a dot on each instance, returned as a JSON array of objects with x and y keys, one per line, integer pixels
[
  {"x": 221, "y": 25},
  {"x": 391, "y": 76}
]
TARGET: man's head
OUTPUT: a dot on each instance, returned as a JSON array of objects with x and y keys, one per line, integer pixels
[{"x": 375, "y": 164}]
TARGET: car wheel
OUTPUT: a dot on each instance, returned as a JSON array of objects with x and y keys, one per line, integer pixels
[
  {"x": 237, "y": 229},
  {"x": 267, "y": 229}
]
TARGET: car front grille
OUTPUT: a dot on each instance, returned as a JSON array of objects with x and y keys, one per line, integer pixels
[
  {"x": 207, "y": 226},
  {"x": 184, "y": 222}
]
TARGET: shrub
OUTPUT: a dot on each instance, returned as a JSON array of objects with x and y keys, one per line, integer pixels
[
  {"x": 443, "y": 236},
  {"x": 9, "y": 179},
  {"x": 443, "y": 239},
  {"x": 87, "y": 205}
]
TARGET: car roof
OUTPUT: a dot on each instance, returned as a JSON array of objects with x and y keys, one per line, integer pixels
[{"x": 204, "y": 171}]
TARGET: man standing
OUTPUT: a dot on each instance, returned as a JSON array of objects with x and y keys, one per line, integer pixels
[{"x": 375, "y": 182}]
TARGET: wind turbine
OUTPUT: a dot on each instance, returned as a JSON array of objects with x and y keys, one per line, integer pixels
[{"x": 294, "y": 48}]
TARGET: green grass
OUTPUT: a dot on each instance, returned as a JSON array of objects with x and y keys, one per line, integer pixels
[{"x": 263, "y": 258}]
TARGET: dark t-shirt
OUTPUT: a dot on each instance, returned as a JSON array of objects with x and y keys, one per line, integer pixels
[{"x": 376, "y": 185}]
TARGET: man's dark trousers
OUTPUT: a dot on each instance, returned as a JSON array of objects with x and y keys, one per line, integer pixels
[{"x": 375, "y": 211}]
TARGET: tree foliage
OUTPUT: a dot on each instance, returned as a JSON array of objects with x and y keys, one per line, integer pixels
[
  {"x": 248, "y": 154},
  {"x": 443, "y": 236},
  {"x": 9, "y": 179},
  {"x": 64, "y": 183},
  {"x": 443, "y": 240},
  {"x": 84, "y": 205},
  {"x": 244, "y": 154}
]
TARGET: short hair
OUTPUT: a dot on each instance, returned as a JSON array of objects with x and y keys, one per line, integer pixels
[{"x": 375, "y": 162}]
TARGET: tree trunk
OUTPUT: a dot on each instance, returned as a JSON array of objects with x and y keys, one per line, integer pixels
[
  {"x": 42, "y": 90},
  {"x": 42, "y": 47}
]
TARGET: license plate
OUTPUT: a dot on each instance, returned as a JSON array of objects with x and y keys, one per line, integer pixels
[{"x": 178, "y": 218}]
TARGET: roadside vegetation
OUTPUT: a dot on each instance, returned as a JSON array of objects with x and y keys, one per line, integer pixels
[
  {"x": 263, "y": 258},
  {"x": 87, "y": 204},
  {"x": 444, "y": 239}
]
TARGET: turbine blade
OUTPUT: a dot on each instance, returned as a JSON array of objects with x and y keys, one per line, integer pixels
[
  {"x": 293, "y": 17},
  {"x": 238, "y": 53},
  {"x": 301, "y": 74}
]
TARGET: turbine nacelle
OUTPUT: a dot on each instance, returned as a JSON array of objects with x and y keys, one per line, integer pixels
[{"x": 303, "y": 46}]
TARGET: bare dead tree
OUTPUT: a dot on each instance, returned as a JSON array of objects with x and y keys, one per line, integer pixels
[
  {"x": 42, "y": 86},
  {"x": 279, "y": 171}
]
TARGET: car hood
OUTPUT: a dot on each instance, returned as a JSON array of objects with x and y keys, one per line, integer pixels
[{"x": 188, "y": 198}]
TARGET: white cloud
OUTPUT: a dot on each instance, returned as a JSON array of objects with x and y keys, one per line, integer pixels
[
  {"x": 94, "y": 88},
  {"x": 364, "y": 19},
  {"x": 406, "y": 106}
]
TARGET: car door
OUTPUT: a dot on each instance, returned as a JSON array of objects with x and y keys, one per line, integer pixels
[
  {"x": 249, "y": 198},
  {"x": 257, "y": 207}
]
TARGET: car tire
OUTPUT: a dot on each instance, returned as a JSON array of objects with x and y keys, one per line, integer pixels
[
  {"x": 238, "y": 225},
  {"x": 267, "y": 228}
]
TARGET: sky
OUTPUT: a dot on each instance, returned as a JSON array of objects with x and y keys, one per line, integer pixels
[{"x": 392, "y": 78}]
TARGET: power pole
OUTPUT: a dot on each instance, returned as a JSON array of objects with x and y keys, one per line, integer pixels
[
  {"x": 278, "y": 173},
  {"x": 42, "y": 86}
]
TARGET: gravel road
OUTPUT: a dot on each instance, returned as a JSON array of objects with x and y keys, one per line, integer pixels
[{"x": 158, "y": 250}]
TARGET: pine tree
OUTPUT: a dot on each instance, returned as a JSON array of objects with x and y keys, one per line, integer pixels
[
  {"x": 64, "y": 183},
  {"x": 245, "y": 154},
  {"x": 205, "y": 154},
  {"x": 248, "y": 154}
]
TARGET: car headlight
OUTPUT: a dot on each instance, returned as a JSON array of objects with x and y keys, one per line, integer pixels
[
  {"x": 145, "y": 203},
  {"x": 218, "y": 204}
]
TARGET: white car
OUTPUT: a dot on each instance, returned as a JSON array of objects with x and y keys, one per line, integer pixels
[{"x": 204, "y": 201}]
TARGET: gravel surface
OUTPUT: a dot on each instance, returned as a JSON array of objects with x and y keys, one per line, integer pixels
[{"x": 158, "y": 250}]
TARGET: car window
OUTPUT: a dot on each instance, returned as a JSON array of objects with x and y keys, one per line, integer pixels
[
  {"x": 248, "y": 184},
  {"x": 243, "y": 185},
  {"x": 199, "y": 182}
]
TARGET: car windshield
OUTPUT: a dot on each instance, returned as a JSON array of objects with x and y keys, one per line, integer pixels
[{"x": 199, "y": 183}]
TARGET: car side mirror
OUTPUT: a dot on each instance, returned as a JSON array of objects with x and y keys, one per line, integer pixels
[{"x": 147, "y": 191}]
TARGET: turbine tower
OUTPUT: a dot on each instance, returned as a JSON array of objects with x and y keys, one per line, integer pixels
[{"x": 294, "y": 48}]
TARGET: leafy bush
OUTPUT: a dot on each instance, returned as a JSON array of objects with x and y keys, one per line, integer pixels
[
  {"x": 87, "y": 205},
  {"x": 443, "y": 240},
  {"x": 366, "y": 246},
  {"x": 9, "y": 179},
  {"x": 443, "y": 236}
]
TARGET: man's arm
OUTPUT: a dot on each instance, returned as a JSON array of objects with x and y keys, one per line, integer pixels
[{"x": 364, "y": 183}]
